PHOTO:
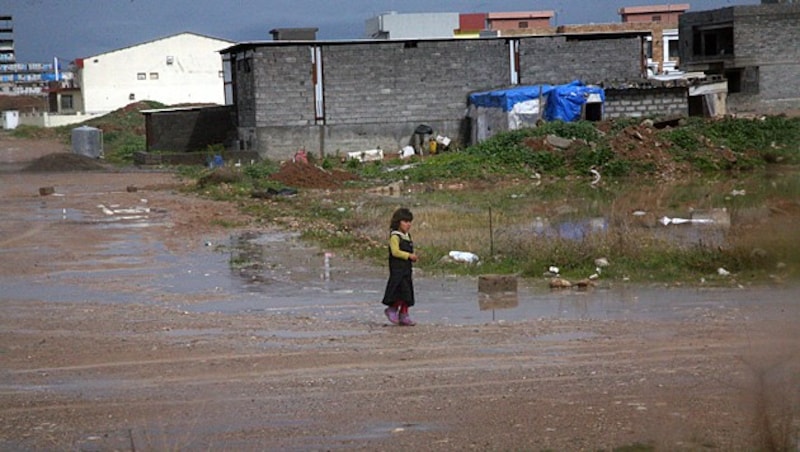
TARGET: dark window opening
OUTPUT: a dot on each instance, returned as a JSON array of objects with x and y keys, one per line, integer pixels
[
  {"x": 672, "y": 48},
  {"x": 523, "y": 24},
  {"x": 697, "y": 106},
  {"x": 410, "y": 45},
  {"x": 712, "y": 42},
  {"x": 656, "y": 18},
  {"x": 648, "y": 49},
  {"x": 734, "y": 81},
  {"x": 745, "y": 81},
  {"x": 593, "y": 111},
  {"x": 66, "y": 102}
]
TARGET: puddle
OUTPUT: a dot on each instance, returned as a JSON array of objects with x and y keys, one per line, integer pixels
[
  {"x": 382, "y": 430},
  {"x": 274, "y": 272},
  {"x": 291, "y": 280}
]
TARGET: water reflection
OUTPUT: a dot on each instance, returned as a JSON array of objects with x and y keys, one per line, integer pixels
[{"x": 697, "y": 212}]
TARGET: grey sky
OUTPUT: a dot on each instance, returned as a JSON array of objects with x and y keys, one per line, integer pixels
[{"x": 69, "y": 29}]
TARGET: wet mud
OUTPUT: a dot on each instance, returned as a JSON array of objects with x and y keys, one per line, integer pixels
[{"x": 132, "y": 321}]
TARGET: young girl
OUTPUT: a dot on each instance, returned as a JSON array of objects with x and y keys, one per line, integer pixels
[{"x": 399, "y": 295}]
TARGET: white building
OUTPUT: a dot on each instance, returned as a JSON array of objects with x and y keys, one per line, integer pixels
[
  {"x": 178, "y": 69},
  {"x": 392, "y": 25}
]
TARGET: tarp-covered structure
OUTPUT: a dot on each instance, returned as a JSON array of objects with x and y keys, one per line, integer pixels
[{"x": 522, "y": 106}]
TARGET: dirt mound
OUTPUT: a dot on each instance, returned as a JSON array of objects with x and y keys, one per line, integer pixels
[
  {"x": 642, "y": 145},
  {"x": 305, "y": 175},
  {"x": 639, "y": 144},
  {"x": 63, "y": 161}
]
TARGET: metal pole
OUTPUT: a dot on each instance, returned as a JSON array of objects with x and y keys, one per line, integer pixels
[{"x": 491, "y": 235}]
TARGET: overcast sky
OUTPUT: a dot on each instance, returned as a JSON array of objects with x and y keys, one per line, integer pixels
[{"x": 69, "y": 29}]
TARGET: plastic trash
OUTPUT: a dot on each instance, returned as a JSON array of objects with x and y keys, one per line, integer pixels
[
  {"x": 407, "y": 152},
  {"x": 464, "y": 256}
]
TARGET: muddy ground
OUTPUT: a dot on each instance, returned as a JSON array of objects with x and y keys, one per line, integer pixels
[{"x": 104, "y": 346}]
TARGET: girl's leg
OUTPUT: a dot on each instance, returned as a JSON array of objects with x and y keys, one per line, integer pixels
[
  {"x": 392, "y": 312},
  {"x": 405, "y": 319}
]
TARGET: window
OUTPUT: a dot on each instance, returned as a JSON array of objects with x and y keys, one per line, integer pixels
[
  {"x": 712, "y": 41},
  {"x": 131, "y": 96},
  {"x": 656, "y": 18},
  {"x": 170, "y": 60},
  {"x": 523, "y": 24},
  {"x": 672, "y": 46},
  {"x": 154, "y": 76},
  {"x": 141, "y": 76},
  {"x": 66, "y": 102}
]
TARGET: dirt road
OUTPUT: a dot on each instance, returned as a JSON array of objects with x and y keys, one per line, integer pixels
[{"x": 96, "y": 355}]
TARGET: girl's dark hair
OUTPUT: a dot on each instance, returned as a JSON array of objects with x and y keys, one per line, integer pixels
[{"x": 401, "y": 214}]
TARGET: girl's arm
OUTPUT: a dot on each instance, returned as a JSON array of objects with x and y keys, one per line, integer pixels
[{"x": 394, "y": 247}]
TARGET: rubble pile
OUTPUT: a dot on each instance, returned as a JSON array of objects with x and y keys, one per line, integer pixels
[{"x": 306, "y": 175}]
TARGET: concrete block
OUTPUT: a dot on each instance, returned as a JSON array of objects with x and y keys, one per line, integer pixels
[{"x": 497, "y": 292}]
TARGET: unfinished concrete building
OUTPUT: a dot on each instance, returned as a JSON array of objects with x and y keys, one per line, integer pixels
[{"x": 754, "y": 47}]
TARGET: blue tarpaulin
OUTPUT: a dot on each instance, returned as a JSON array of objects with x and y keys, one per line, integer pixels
[
  {"x": 507, "y": 98},
  {"x": 563, "y": 102}
]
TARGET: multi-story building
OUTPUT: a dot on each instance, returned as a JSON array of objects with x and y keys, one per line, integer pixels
[
  {"x": 20, "y": 78},
  {"x": 754, "y": 47},
  {"x": 659, "y": 21}
]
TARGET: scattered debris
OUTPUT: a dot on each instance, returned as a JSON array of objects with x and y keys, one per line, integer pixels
[
  {"x": 559, "y": 283},
  {"x": 372, "y": 155},
  {"x": 462, "y": 256},
  {"x": 300, "y": 156},
  {"x": 220, "y": 175},
  {"x": 271, "y": 193},
  {"x": 558, "y": 142}
]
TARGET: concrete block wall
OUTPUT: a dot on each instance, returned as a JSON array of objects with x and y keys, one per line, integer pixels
[
  {"x": 636, "y": 103},
  {"x": 376, "y": 93},
  {"x": 409, "y": 81},
  {"x": 560, "y": 59},
  {"x": 767, "y": 34},
  {"x": 284, "y": 89},
  {"x": 766, "y": 38}
]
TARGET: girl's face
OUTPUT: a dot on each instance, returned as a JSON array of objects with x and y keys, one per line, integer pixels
[{"x": 405, "y": 226}]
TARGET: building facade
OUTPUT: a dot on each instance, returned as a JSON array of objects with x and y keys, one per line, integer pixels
[
  {"x": 392, "y": 25},
  {"x": 532, "y": 21},
  {"x": 754, "y": 47},
  {"x": 653, "y": 13},
  {"x": 21, "y": 78},
  {"x": 181, "y": 69},
  {"x": 330, "y": 97}
]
